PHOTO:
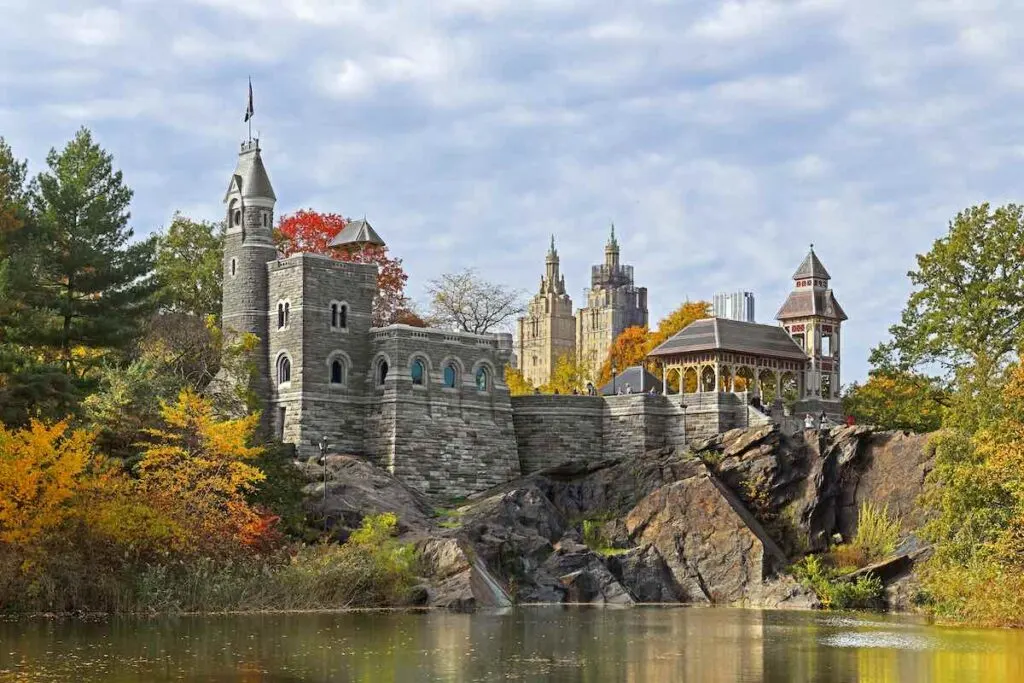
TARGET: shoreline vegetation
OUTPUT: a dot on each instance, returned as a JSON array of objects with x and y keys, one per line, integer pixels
[{"x": 133, "y": 477}]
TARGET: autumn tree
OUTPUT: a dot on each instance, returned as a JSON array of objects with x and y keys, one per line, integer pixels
[
  {"x": 198, "y": 472},
  {"x": 517, "y": 384},
  {"x": 95, "y": 282},
  {"x": 466, "y": 302},
  {"x": 310, "y": 231},
  {"x": 629, "y": 348},
  {"x": 675, "y": 321},
  {"x": 895, "y": 400},
  {"x": 188, "y": 267},
  {"x": 976, "y": 493},
  {"x": 567, "y": 375},
  {"x": 42, "y": 468},
  {"x": 633, "y": 344}
]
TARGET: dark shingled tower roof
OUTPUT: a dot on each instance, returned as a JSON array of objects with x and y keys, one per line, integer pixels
[
  {"x": 811, "y": 268},
  {"x": 811, "y": 300},
  {"x": 722, "y": 334},
  {"x": 250, "y": 175},
  {"x": 357, "y": 232}
]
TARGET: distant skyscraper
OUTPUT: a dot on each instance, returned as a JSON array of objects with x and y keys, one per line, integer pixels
[{"x": 734, "y": 306}]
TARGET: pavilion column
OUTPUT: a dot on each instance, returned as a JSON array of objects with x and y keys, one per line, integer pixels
[
  {"x": 718, "y": 379},
  {"x": 664, "y": 379},
  {"x": 778, "y": 384}
]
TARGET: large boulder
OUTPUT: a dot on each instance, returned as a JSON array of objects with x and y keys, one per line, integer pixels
[
  {"x": 584, "y": 575},
  {"x": 715, "y": 550},
  {"x": 513, "y": 533},
  {"x": 355, "y": 489},
  {"x": 643, "y": 572}
]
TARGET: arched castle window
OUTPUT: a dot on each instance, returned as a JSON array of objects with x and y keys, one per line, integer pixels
[
  {"x": 339, "y": 315},
  {"x": 483, "y": 379},
  {"x": 337, "y": 372},
  {"x": 234, "y": 264},
  {"x": 417, "y": 371},
  {"x": 451, "y": 375},
  {"x": 284, "y": 369},
  {"x": 283, "y": 310},
  {"x": 382, "y": 371},
  {"x": 266, "y": 218},
  {"x": 236, "y": 217}
]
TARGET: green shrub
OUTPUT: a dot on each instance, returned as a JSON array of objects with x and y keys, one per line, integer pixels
[
  {"x": 834, "y": 591},
  {"x": 878, "y": 533}
]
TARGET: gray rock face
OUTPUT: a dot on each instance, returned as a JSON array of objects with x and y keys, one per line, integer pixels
[
  {"x": 355, "y": 489},
  {"x": 643, "y": 573},
  {"x": 714, "y": 554},
  {"x": 711, "y": 527}
]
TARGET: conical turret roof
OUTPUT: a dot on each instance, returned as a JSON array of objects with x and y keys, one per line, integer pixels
[
  {"x": 811, "y": 267},
  {"x": 250, "y": 178}
]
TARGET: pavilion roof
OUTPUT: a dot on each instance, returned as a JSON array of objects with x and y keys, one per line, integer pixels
[{"x": 722, "y": 334}]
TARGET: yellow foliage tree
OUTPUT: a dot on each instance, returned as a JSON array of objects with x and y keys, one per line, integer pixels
[
  {"x": 634, "y": 343},
  {"x": 977, "y": 491},
  {"x": 517, "y": 384},
  {"x": 568, "y": 374},
  {"x": 675, "y": 321},
  {"x": 42, "y": 470},
  {"x": 197, "y": 472}
]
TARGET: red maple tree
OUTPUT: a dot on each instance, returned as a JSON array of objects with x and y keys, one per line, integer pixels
[{"x": 311, "y": 232}]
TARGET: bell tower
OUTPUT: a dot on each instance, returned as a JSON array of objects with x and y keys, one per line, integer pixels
[
  {"x": 248, "y": 247},
  {"x": 812, "y": 317}
]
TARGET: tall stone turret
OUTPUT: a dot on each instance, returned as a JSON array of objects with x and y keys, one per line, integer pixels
[
  {"x": 248, "y": 247},
  {"x": 548, "y": 330},
  {"x": 813, "y": 318}
]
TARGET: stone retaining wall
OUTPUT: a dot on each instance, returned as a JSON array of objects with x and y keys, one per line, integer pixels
[{"x": 550, "y": 430}]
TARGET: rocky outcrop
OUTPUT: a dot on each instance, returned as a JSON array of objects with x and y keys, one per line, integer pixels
[
  {"x": 714, "y": 549},
  {"x": 355, "y": 489},
  {"x": 717, "y": 523}
]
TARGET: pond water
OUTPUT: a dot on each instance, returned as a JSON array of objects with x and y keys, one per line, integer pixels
[{"x": 525, "y": 644}]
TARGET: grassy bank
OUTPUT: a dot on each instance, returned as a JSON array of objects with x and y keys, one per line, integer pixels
[{"x": 370, "y": 570}]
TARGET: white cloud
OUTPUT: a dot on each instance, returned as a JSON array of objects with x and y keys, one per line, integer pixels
[{"x": 721, "y": 137}]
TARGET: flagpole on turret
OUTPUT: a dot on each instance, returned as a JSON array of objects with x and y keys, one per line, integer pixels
[{"x": 249, "y": 110}]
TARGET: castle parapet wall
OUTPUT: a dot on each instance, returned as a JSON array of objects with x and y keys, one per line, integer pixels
[{"x": 551, "y": 430}]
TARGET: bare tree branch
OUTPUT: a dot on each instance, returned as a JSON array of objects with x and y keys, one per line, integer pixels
[{"x": 466, "y": 302}]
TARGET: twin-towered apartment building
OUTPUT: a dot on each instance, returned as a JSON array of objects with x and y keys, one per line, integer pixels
[{"x": 550, "y": 329}]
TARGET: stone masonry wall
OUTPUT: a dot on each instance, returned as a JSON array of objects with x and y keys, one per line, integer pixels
[
  {"x": 445, "y": 441},
  {"x": 314, "y": 406},
  {"x": 551, "y": 430}
]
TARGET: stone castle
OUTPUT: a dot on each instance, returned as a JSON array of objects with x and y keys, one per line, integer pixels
[
  {"x": 432, "y": 406},
  {"x": 550, "y": 330}
]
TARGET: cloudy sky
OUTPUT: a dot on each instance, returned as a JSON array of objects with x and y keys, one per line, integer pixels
[{"x": 721, "y": 137}]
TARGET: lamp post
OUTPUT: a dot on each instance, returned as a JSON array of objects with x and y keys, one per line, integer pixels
[
  {"x": 614, "y": 372},
  {"x": 323, "y": 460}
]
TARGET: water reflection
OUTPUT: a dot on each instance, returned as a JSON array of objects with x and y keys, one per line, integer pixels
[{"x": 535, "y": 644}]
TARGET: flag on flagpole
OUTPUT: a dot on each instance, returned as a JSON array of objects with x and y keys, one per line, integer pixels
[{"x": 248, "y": 109}]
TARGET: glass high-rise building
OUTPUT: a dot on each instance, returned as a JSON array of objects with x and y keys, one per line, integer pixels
[{"x": 734, "y": 306}]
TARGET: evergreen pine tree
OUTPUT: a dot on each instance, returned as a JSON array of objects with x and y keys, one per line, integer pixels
[
  {"x": 28, "y": 387},
  {"x": 95, "y": 284}
]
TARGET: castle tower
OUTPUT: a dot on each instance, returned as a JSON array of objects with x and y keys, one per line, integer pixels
[
  {"x": 248, "y": 247},
  {"x": 613, "y": 304},
  {"x": 548, "y": 330},
  {"x": 813, "y": 317}
]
